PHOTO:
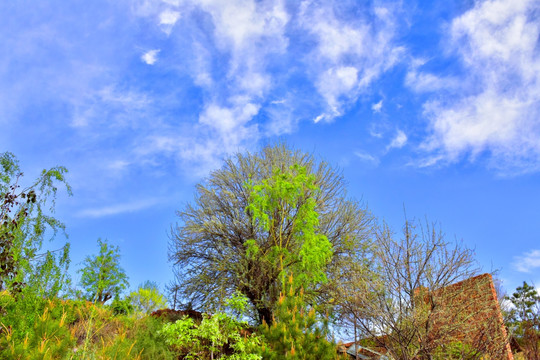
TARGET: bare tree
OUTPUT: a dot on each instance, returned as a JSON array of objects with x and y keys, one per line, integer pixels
[{"x": 409, "y": 308}]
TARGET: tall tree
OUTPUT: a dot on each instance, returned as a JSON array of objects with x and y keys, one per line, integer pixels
[
  {"x": 102, "y": 276},
  {"x": 524, "y": 319},
  {"x": 25, "y": 217},
  {"x": 209, "y": 246}
]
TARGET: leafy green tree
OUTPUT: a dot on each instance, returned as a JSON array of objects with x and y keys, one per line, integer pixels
[
  {"x": 147, "y": 298},
  {"x": 102, "y": 276},
  {"x": 296, "y": 330},
  {"x": 219, "y": 247},
  {"x": 524, "y": 319},
  {"x": 24, "y": 221}
]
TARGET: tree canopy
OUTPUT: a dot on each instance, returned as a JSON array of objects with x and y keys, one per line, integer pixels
[
  {"x": 147, "y": 298},
  {"x": 102, "y": 276},
  {"x": 215, "y": 246}
]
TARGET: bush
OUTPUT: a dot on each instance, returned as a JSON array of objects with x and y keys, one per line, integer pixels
[
  {"x": 220, "y": 336},
  {"x": 121, "y": 307},
  {"x": 33, "y": 328}
]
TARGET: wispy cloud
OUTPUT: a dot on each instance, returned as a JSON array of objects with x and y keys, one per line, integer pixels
[
  {"x": 245, "y": 33},
  {"x": 421, "y": 82},
  {"x": 228, "y": 73},
  {"x": 527, "y": 261},
  {"x": 350, "y": 54},
  {"x": 366, "y": 157},
  {"x": 398, "y": 141},
  {"x": 117, "y": 209},
  {"x": 496, "y": 109}
]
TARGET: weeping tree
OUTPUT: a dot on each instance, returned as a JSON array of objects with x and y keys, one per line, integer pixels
[
  {"x": 26, "y": 218},
  {"x": 217, "y": 246}
]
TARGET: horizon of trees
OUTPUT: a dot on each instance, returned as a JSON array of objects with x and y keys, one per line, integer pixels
[{"x": 269, "y": 235}]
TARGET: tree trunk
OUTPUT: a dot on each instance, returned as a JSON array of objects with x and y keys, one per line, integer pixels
[{"x": 265, "y": 315}]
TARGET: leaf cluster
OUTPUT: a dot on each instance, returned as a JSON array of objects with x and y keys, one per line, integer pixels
[{"x": 284, "y": 206}]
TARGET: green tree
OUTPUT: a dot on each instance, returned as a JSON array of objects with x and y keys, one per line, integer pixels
[
  {"x": 297, "y": 332},
  {"x": 218, "y": 247},
  {"x": 102, "y": 276},
  {"x": 25, "y": 219},
  {"x": 301, "y": 256},
  {"x": 524, "y": 319},
  {"x": 147, "y": 298}
]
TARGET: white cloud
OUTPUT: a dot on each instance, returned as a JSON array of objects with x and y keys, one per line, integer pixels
[
  {"x": 349, "y": 55},
  {"x": 425, "y": 82},
  {"x": 248, "y": 32},
  {"x": 367, "y": 157},
  {"x": 398, "y": 141},
  {"x": 118, "y": 165},
  {"x": 377, "y": 106},
  {"x": 117, "y": 209},
  {"x": 499, "y": 109},
  {"x": 228, "y": 121},
  {"x": 167, "y": 20},
  {"x": 150, "y": 57},
  {"x": 335, "y": 83},
  {"x": 527, "y": 261},
  {"x": 245, "y": 52}
]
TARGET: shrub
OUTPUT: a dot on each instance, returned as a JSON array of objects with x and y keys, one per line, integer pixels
[
  {"x": 48, "y": 336},
  {"x": 220, "y": 336},
  {"x": 296, "y": 332}
]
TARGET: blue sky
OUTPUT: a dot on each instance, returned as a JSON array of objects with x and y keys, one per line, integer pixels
[{"x": 429, "y": 105}]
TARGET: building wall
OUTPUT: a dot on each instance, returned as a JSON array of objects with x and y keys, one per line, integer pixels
[{"x": 467, "y": 312}]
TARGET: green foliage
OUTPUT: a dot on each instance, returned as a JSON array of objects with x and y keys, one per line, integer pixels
[
  {"x": 123, "y": 337},
  {"x": 211, "y": 338},
  {"x": 147, "y": 298},
  {"x": 220, "y": 336},
  {"x": 526, "y": 301},
  {"x": 297, "y": 332},
  {"x": 524, "y": 319},
  {"x": 23, "y": 224},
  {"x": 34, "y": 328},
  {"x": 287, "y": 200},
  {"x": 102, "y": 276},
  {"x": 456, "y": 351},
  {"x": 121, "y": 306},
  {"x": 149, "y": 343}
]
